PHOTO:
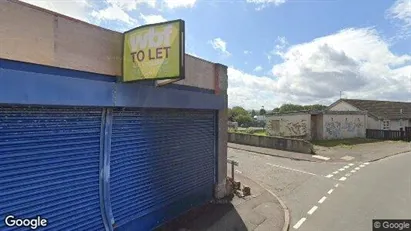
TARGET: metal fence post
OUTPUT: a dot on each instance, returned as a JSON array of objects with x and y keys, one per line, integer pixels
[{"x": 233, "y": 164}]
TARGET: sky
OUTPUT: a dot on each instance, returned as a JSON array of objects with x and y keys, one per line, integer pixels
[{"x": 280, "y": 51}]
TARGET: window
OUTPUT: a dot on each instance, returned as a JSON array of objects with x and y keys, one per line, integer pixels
[{"x": 386, "y": 125}]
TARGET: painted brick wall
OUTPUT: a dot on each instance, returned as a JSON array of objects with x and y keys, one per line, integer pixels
[
  {"x": 373, "y": 123},
  {"x": 343, "y": 106},
  {"x": 35, "y": 35},
  {"x": 297, "y": 126},
  {"x": 343, "y": 126}
]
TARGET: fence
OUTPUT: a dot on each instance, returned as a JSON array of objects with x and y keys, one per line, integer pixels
[{"x": 402, "y": 134}]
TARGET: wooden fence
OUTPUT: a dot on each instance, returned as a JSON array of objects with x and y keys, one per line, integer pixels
[{"x": 402, "y": 134}]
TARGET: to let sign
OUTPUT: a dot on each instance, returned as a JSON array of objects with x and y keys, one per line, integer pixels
[{"x": 154, "y": 52}]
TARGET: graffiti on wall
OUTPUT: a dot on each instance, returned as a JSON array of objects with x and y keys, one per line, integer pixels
[
  {"x": 298, "y": 128},
  {"x": 344, "y": 129},
  {"x": 288, "y": 128}
]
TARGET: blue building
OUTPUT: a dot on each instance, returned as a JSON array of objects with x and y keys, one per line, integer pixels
[{"x": 85, "y": 151}]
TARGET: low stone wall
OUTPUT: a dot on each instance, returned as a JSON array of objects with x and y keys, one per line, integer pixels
[{"x": 281, "y": 143}]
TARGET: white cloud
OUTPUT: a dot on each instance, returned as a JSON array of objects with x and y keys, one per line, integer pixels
[
  {"x": 261, "y": 4},
  {"x": 79, "y": 9},
  {"x": 246, "y": 52},
  {"x": 151, "y": 19},
  {"x": 113, "y": 12},
  {"x": 251, "y": 91},
  {"x": 258, "y": 68},
  {"x": 179, "y": 3},
  {"x": 355, "y": 61},
  {"x": 400, "y": 12},
  {"x": 281, "y": 45},
  {"x": 220, "y": 45},
  {"x": 129, "y": 5}
]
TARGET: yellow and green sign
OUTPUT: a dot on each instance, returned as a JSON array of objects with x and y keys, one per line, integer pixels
[{"x": 154, "y": 52}]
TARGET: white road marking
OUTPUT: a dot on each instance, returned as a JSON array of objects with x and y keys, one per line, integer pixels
[
  {"x": 362, "y": 165},
  {"x": 292, "y": 169},
  {"x": 336, "y": 185},
  {"x": 343, "y": 178},
  {"x": 346, "y": 166},
  {"x": 321, "y": 157},
  {"x": 353, "y": 171},
  {"x": 350, "y": 164},
  {"x": 348, "y": 174},
  {"x": 329, "y": 176},
  {"x": 330, "y": 191},
  {"x": 341, "y": 169},
  {"x": 322, "y": 200},
  {"x": 357, "y": 168},
  {"x": 347, "y": 158},
  {"x": 312, "y": 210},
  {"x": 335, "y": 172},
  {"x": 238, "y": 171},
  {"x": 366, "y": 163},
  {"x": 299, "y": 223}
]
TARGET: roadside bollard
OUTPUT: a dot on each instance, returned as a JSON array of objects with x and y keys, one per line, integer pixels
[{"x": 233, "y": 164}]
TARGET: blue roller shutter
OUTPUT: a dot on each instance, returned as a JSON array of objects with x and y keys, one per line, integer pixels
[
  {"x": 162, "y": 164},
  {"x": 49, "y": 166}
]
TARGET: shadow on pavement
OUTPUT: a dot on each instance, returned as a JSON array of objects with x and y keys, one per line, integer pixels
[{"x": 207, "y": 217}]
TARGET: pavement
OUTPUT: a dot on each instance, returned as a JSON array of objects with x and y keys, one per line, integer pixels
[
  {"x": 364, "y": 152},
  {"x": 343, "y": 154},
  {"x": 325, "y": 195},
  {"x": 262, "y": 211}
]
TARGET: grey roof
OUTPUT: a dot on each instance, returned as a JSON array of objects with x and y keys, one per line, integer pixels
[{"x": 381, "y": 109}]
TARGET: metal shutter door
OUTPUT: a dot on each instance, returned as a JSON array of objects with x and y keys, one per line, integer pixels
[
  {"x": 159, "y": 157},
  {"x": 49, "y": 166}
]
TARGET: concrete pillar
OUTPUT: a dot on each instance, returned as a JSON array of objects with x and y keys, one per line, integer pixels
[{"x": 221, "y": 90}]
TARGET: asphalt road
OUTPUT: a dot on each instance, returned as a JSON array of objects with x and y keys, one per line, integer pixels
[{"x": 334, "y": 196}]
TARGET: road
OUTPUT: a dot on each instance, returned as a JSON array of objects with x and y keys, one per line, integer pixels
[{"x": 334, "y": 196}]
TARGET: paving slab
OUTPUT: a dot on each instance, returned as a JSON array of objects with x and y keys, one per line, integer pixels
[{"x": 262, "y": 211}]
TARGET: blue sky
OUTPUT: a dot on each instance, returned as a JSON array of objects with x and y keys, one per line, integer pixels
[{"x": 281, "y": 51}]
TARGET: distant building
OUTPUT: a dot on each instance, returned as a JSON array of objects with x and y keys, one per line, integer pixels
[
  {"x": 260, "y": 117},
  {"x": 346, "y": 118},
  {"x": 233, "y": 125},
  {"x": 318, "y": 125},
  {"x": 382, "y": 115}
]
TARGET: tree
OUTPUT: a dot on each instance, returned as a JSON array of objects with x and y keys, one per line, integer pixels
[
  {"x": 290, "y": 108},
  {"x": 230, "y": 115},
  {"x": 244, "y": 120},
  {"x": 239, "y": 111},
  {"x": 240, "y": 115},
  {"x": 295, "y": 107},
  {"x": 317, "y": 107},
  {"x": 262, "y": 111},
  {"x": 253, "y": 113}
]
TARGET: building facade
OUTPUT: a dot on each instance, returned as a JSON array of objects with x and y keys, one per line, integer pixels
[
  {"x": 324, "y": 125},
  {"x": 381, "y": 115},
  {"x": 87, "y": 152}
]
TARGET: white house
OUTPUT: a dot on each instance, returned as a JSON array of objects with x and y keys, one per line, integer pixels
[
  {"x": 260, "y": 117},
  {"x": 382, "y": 115}
]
